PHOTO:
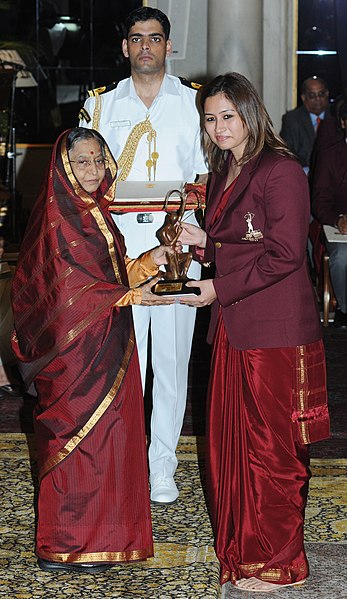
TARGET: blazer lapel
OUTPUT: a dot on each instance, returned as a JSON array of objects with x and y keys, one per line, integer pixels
[
  {"x": 217, "y": 189},
  {"x": 214, "y": 197}
]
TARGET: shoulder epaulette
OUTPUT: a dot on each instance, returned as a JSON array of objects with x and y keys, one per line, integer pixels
[
  {"x": 101, "y": 90},
  {"x": 190, "y": 83},
  {"x": 84, "y": 115}
]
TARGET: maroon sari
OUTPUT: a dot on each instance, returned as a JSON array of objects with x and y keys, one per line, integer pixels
[
  {"x": 77, "y": 350},
  {"x": 265, "y": 406}
]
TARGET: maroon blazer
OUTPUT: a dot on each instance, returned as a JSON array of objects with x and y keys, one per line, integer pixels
[
  {"x": 262, "y": 281},
  {"x": 329, "y": 186}
]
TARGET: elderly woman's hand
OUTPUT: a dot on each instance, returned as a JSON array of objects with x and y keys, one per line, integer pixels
[
  {"x": 159, "y": 254},
  {"x": 150, "y": 299}
]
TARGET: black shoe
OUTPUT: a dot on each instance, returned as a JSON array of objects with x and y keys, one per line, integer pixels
[
  {"x": 340, "y": 319},
  {"x": 74, "y": 567},
  {"x": 11, "y": 390}
]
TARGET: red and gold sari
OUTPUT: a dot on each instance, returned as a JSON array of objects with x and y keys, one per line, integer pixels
[
  {"x": 264, "y": 407},
  {"x": 76, "y": 348}
]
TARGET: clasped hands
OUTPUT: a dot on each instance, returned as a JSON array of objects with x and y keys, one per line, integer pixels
[
  {"x": 190, "y": 235},
  {"x": 159, "y": 257}
]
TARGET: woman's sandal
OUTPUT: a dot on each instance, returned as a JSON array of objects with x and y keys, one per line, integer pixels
[{"x": 256, "y": 585}]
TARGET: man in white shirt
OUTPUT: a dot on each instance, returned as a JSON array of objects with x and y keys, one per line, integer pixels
[{"x": 152, "y": 126}]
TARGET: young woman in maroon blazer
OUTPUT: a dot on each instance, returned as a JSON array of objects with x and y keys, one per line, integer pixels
[{"x": 267, "y": 392}]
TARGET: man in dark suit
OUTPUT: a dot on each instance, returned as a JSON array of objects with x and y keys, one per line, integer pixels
[
  {"x": 329, "y": 205},
  {"x": 299, "y": 126}
]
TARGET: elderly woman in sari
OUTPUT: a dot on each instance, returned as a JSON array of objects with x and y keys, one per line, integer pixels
[{"x": 74, "y": 341}]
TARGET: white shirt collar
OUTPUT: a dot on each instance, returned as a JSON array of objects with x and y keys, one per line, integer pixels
[
  {"x": 315, "y": 116},
  {"x": 168, "y": 86}
]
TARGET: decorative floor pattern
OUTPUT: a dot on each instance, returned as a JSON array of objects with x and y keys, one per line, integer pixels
[
  {"x": 184, "y": 566},
  {"x": 327, "y": 579}
]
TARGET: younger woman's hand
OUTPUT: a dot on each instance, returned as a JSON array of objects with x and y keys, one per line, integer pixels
[
  {"x": 206, "y": 297},
  {"x": 192, "y": 235}
]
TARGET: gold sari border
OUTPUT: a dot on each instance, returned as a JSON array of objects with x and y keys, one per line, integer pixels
[
  {"x": 285, "y": 575},
  {"x": 94, "y": 419},
  {"x": 310, "y": 408},
  {"x": 100, "y": 557}
]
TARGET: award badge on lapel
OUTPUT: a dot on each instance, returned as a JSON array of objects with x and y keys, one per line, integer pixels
[{"x": 252, "y": 234}]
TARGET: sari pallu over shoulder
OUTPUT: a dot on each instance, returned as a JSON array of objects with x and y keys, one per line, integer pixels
[
  {"x": 70, "y": 274},
  {"x": 71, "y": 255}
]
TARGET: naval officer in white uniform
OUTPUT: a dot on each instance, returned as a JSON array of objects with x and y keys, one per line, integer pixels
[{"x": 152, "y": 126}]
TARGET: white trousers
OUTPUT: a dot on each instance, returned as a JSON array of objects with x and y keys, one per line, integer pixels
[{"x": 172, "y": 329}]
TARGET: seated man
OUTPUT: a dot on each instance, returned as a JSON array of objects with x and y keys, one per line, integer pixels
[
  {"x": 329, "y": 206},
  {"x": 299, "y": 126}
]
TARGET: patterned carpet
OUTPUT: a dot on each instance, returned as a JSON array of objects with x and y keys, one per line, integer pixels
[{"x": 184, "y": 566}]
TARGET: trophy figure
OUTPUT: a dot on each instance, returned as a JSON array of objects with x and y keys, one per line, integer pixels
[{"x": 175, "y": 277}]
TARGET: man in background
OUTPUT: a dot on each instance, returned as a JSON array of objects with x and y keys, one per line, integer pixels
[{"x": 300, "y": 125}]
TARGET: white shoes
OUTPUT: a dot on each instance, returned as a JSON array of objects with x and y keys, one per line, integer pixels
[{"x": 163, "y": 490}]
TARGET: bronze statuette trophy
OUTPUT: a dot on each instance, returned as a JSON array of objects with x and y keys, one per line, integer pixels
[{"x": 175, "y": 279}]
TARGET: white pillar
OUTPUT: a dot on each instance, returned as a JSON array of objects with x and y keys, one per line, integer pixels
[
  {"x": 279, "y": 57},
  {"x": 258, "y": 39},
  {"x": 235, "y": 38}
]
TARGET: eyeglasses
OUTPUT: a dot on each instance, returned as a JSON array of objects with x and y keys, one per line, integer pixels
[
  {"x": 313, "y": 95},
  {"x": 84, "y": 164}
]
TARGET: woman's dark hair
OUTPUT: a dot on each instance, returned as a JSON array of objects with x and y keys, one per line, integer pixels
[
  {"x": 81, "y": 133},
  {"x": 252, "y": 112},
  {"x": 146, "y": 13}
]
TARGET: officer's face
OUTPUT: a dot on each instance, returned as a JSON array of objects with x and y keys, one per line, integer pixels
[{"x": 146, "y": 47}]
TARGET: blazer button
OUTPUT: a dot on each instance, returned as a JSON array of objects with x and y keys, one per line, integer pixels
[{"x": 218, "y": 244}]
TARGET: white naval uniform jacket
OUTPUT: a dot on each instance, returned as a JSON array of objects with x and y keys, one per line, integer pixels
[
  {"x": 176, "y": 120},
  {"x": 173, "y": 115}
]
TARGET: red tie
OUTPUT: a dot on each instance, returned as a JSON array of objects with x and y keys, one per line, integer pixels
[{"x": 318, "y": 122}]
